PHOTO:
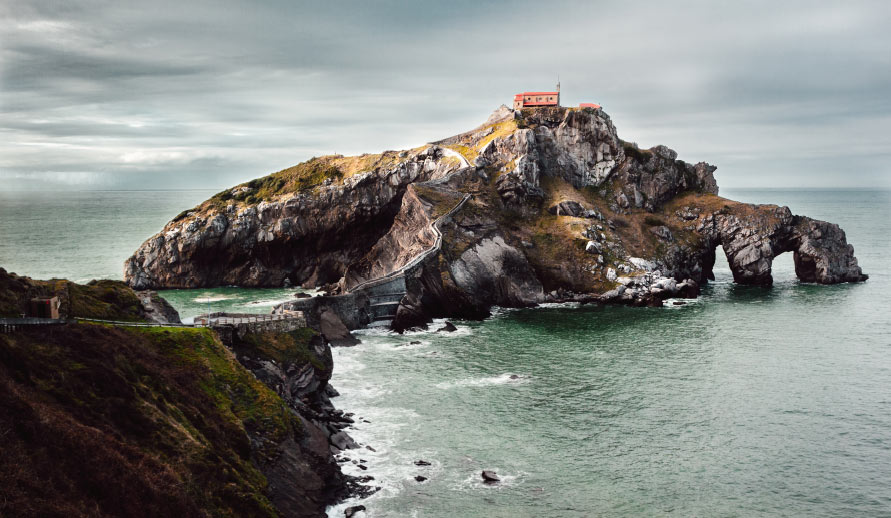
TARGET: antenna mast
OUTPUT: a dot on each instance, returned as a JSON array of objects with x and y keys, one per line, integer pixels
[{"x": 558, "y": 89}]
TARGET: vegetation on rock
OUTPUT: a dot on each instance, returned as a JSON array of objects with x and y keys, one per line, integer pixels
[
  {"x": 103, "y": 421},
  {"x": 100, "y": 299}
]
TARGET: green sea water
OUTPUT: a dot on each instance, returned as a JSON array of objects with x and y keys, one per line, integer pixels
[{"x": 745, "y": 402}]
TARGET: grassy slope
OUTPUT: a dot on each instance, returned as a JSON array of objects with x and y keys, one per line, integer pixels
[
  {"x": 105, "y": 299},
  {"x": 301, "y": 177},
  {"x": 469, "y": 145},
  {"x": 284, "y": 348},
  {"x": 101, "y": 421}
]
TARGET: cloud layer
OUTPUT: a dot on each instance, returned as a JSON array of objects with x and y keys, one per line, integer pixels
[{"x": 207, "y": 94}]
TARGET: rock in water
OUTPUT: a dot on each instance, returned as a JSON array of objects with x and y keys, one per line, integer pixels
[
  {"x": 334, "y": 330},
  {"x": 352, "y": 511},
  {"x": 448, "y": 328},
  {"x": 490, "y": 477},
  {"x": 420, "y": 478},
  {"x": 421, "y": 463}
]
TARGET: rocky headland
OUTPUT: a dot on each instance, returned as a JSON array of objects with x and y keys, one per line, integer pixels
[
  {"x": 538, "y": 205},
  {"x": 132, "y": 419}
]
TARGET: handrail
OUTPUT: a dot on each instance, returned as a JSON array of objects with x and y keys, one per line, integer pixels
[
  {"x": 259, "y": 318},
  {"x": 420, "y": 257}
]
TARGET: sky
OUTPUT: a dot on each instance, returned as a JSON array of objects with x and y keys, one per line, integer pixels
[{"x": 190, "y": 95}]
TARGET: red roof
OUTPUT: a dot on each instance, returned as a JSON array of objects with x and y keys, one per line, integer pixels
[
  {"x": 550, "y": 98},
  {"x": 588, "y": 105}
]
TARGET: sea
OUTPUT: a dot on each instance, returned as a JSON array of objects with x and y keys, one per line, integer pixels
[{"x": 746, "y": 402}]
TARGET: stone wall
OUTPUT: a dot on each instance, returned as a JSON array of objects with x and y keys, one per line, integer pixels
[{"x": 228, "y": 331}]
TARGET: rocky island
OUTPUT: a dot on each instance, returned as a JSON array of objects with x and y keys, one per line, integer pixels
[{"x": 535, "y": 205}]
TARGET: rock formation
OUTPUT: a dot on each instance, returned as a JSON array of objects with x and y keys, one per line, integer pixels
[
  {"x": 162, "y": 421},
  {"x": 306, "y": 236},
  {"x": 555, "y": 207}
]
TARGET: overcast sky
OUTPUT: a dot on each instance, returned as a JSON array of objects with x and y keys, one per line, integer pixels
[{"x": 190, "y": 94}]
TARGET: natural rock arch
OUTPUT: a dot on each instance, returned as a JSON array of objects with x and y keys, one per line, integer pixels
[{"x": 820, "y": 250}]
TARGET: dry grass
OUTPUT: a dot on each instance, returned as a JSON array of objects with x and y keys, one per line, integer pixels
[
  {"x": 441, "y": 200},
  {"x": 301, "y": 177},
  {"x": 469, "y": 147}
]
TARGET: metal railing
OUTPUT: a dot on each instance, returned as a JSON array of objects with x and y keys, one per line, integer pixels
[
  {"x": 395, "y": 274},
  {"x": 253, "y": 319},
  {"x": 11, "y": 324},
  {"x": 418, "y": 258}
]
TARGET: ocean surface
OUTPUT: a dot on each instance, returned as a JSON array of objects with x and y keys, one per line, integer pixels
[{"x": 745, "y": 402}]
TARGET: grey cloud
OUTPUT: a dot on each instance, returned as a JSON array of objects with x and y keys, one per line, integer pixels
[{"x": 195, "y": 94}]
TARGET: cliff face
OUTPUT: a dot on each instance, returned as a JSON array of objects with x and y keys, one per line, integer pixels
[
  {"x": 162, "y": 421},
  {"x": 102, "y": 421},
  {"x": 303, "y": 236},
  {"x": 560, "y": 208}
]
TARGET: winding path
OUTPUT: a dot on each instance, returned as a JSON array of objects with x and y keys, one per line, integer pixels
[
  {"x": 393, "y": 283},
  {"x": 434, "y": 226}
]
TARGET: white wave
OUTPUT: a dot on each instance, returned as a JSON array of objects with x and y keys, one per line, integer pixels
[
  {"x": 502, "y": 379},
  {"x": 670, "y": 303},
  {"x": 391, "y": 465},
  {"x": 211, "y": 298},
  {"x": 570, "y": 305},
  {"x": 265, "y": 302},
  {"x": 497, "y": 311},
  {"x": 375, "y": 331},
  {"x": 475, "y": 480}
]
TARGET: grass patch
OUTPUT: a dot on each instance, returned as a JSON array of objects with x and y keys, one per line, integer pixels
[
  {"x": 285, "y": 348},
  {"x": 133, "y": 422},
  {"x": 442, "y": 201},
  {"x": 653, "y": 221},
  {"x": 299, "y": 178},
  {"x": 631, "y": 149},
  {"x": 102, "y": 299},
  {"x": 238, "y": 395}
]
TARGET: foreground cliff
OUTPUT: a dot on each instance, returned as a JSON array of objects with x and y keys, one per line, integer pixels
[
  {"x": 533, "y": 206},
  {"x": 100, "y": 420}
]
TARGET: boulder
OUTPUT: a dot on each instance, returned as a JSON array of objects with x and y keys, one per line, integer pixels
[
  {"x": 341, "y": 440},
  {"x": 349, "y": 512},
  {"x": 593, "y": 247},
  {"x": 490, "y": 477},
  {"x": 447, "y": 328},
  {"x": 334, "y": 330},
  {"x": 662, "y": 232},
  {"x": 568, "y": 208}
]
